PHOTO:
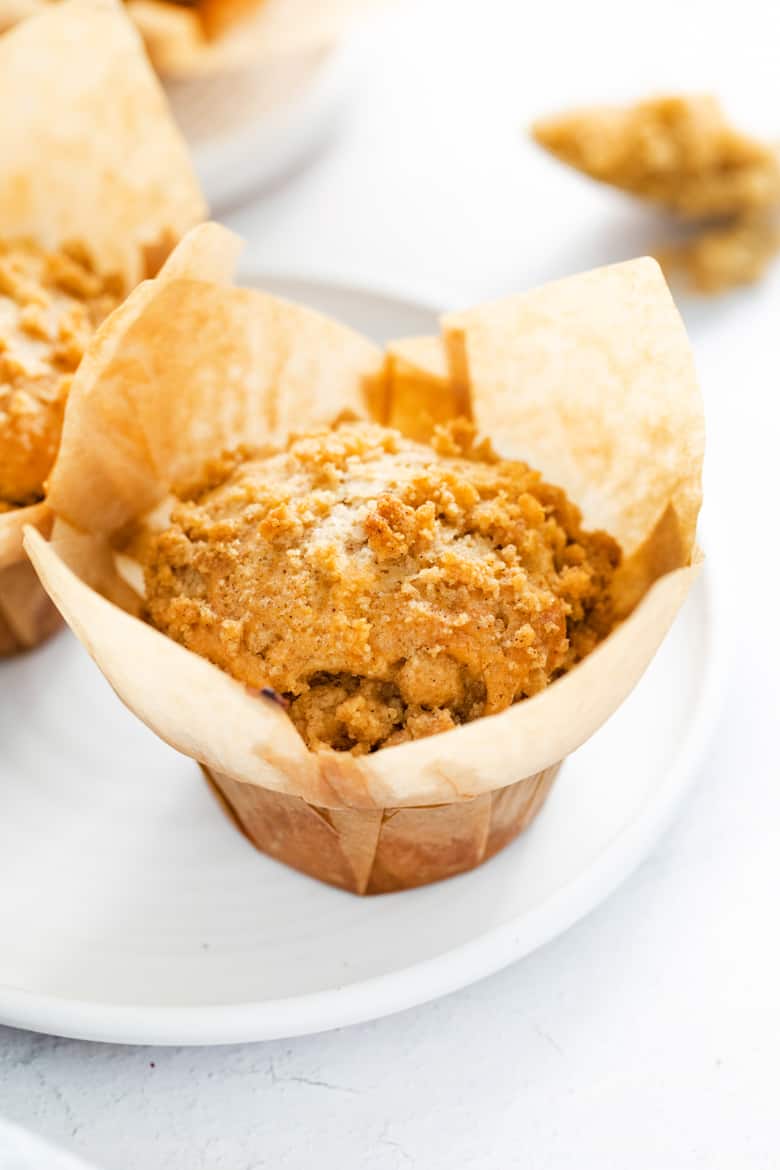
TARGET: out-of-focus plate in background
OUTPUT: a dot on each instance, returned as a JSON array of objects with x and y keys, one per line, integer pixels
[{"x": 247, "y": 129}]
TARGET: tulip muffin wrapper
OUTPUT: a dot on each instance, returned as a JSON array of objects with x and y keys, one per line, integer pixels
[{"x": 589, "y": 379}]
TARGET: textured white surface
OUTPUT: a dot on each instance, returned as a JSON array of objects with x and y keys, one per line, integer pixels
[
  {"x": 647, "y": 1036},
  {"x": 20, "y": 1149}
]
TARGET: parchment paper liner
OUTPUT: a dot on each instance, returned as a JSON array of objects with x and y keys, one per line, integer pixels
[
  {"x": 194, "y": 366},
  {"x": 90, "y": 153},
  {"x": 220, "y": 36}
]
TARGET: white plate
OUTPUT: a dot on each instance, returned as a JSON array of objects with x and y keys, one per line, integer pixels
[
  {"x": 131, "y": 910},
  {"x": 247, "y": 129}
]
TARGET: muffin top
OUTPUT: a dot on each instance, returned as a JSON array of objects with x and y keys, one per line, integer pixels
[
  {"x": 50, "y": 304},
  {"x": 384, "y": 589}
]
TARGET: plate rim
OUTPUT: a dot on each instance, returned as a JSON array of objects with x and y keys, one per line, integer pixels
[
  {"x": 281, "y": 139},
  {"x": 429, "y": 979}
]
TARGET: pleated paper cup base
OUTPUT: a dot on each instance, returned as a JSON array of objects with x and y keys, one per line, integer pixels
[
  {"x": 27, "y": 616},
  {"x": 379, "y": 851}
]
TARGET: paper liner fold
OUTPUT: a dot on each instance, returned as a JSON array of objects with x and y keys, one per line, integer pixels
[
  {"x": 252, "y": 365},
  {"x": 422, "y": 389},
  {"x": 12, "y": 526},
  {"x": 27, "y": 616},
  {"x": 91, "y": 152},
  {"x": 190, "y": 366},
  {"x": 592, "y": 379},
  {"x": 382, "y": 851}
]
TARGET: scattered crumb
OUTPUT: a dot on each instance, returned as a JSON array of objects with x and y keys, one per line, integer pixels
[{"x": 681, "y": 154}]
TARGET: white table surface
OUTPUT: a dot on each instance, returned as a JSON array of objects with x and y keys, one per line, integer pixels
[{"x": 647, "y": 1036}]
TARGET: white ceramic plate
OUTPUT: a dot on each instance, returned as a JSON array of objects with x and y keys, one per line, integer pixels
[
  {"x": 247, "y": 129},
  {"x": 131, "y": 910}
]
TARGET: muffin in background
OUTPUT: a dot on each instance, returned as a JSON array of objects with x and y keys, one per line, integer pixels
[{"x": 96, "y": 188}]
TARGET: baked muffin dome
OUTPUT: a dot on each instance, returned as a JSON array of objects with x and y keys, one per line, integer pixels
[{"x": 385, "y": 589}]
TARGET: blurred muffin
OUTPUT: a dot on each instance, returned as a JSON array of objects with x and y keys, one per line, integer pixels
[{"x": 96, "y": 188}]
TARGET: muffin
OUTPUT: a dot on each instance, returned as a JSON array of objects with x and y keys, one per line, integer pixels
[
  {"x": 95, "y": 190},
  {"x": 379, "y": 646}
]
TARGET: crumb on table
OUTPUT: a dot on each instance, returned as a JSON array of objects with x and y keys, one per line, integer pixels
[{"x": 677, "y": 151}]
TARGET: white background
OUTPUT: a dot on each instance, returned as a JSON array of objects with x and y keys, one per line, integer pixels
[{"x": 647, "y": 1037}]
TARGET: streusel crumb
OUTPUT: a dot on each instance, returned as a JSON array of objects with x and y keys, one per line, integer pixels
[{"x": 388, "y": 589}]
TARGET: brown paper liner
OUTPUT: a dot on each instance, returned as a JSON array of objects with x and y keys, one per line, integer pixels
[
  {"x": 380, "y": 851},
  {"x": 27, "y": 616}
]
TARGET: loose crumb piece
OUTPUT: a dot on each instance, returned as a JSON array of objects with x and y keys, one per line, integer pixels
[
  {"x": 725, "y": 256},
  {"x": 387, "y": 589},
  {"x": 50, "y": 304},
  {"x": 679, "y": 152}
]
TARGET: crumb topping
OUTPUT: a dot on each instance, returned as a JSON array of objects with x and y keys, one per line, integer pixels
[
  {"x": 50, "y": 304},
  {"x": 385, "y": 589}
]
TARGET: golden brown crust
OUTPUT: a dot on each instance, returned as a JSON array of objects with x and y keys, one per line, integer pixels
[
  {"x": 389, "y": 590},
  {"x": 50, "y": 304}
]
